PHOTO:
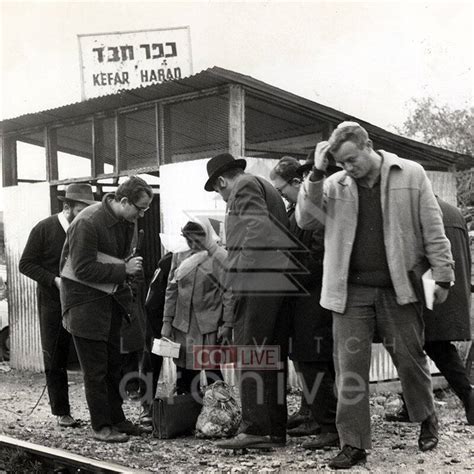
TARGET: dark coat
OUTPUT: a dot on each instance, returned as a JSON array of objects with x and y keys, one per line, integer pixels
[
  {"x": 256, "y": 231},
  {"x": 87, "y": 312},
  {"x": 450, "y": 321},
  {"x": 155, "y": 300},
  {"x": 40, "y": 259},
  {"x": 310, "y": 323}
]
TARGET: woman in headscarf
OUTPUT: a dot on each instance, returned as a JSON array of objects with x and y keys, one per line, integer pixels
[{"x": 196, "y": 303}]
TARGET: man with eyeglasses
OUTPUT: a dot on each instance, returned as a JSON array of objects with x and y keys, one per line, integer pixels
[
  {"x": 93, "y": 316},
  {"x": 311, "y": 343}
]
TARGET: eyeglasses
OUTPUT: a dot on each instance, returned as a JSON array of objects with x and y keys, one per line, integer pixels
[
  {"x": 140, "y": 209},
  {"x": 280, "y": 190}
]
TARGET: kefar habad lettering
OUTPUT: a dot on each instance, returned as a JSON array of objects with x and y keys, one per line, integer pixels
[
  {"x": 146, "y": 77},
  {"x": 110, "y": 78},
  {"x": 159, "y": 75}
]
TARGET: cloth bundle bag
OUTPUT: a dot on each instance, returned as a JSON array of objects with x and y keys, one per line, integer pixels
[{"x": 221, "y": 414}]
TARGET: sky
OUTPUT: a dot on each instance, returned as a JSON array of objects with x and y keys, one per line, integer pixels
[{"x": 367, "y": 59}]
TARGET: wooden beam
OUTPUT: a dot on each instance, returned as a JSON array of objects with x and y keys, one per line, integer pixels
[
  {"x": 97, "y": 166},
  {"x": 301, "y": 141},
  {"x": 120, "y": 133},
  {"x": 9, "y": 162},
  {"x": 51, "y": 154},
  {"x": 236, "y": 120}
]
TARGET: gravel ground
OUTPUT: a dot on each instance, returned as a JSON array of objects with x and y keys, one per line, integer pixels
[{"x": 394, "y": 444}]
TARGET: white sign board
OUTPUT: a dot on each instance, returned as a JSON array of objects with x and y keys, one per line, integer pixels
[{"x": 126, "y": 60}]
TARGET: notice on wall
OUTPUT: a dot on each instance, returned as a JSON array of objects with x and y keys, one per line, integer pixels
[{"x": 126, "y": 60}]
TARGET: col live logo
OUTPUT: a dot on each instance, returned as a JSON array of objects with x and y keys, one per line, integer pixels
[{"x": 252, "y": 357}]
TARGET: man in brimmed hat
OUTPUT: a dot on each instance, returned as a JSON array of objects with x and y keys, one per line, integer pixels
[
  {"x": 40, "y": 262},
  {"x": 255, "y": 226}
]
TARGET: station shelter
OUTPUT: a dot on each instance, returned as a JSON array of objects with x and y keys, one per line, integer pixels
[{"x": 165, "y": 133}]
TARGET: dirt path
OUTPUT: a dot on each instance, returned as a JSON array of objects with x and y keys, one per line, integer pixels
[{"x": 395, "y": 444}]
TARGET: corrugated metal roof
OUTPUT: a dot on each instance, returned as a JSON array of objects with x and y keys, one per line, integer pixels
[{"x": 215, "y": 77}]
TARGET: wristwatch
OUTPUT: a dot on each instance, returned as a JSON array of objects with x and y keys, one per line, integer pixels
[{"x": 444, "y": 284}]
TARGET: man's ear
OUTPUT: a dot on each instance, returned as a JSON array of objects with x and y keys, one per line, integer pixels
[
  {"x": 370, "y": 144},
  {"x": 124, "y": 201},
  {"x": 221, "y": 181}
]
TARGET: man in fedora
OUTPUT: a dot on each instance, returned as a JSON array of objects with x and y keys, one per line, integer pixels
[
  {"x": 40, "y": 262},
  {"x": 256, "y": 231}
]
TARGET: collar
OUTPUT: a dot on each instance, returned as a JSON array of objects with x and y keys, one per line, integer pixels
[
  {"x": 389, "y": 160},
  {"x": 63, "y": 221},
  {"x": 110, "y": 218}
]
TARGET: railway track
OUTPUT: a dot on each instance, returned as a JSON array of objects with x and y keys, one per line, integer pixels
[{"x": 60, "y": 461}]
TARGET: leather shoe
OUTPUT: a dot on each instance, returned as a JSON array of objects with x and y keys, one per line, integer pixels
[
  {"x": 244, "y": 440},
  {"x": 348, "y": 457},
  {"x": 469, "y": 407},
  {"x": 127, "y": 427},
  {"x": 428, "y": 438},
  {"x": 400, "y": 415},
  {"x": 67, "y": 421},
  {"x": 109, "y": 435},
  {"x": 297, "y": 419},
  {"x": 322, "y": 440},
  {"x": 307, "y": 428}
]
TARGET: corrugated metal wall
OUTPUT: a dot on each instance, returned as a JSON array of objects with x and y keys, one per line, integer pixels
[{"x": 24, "y": 206}]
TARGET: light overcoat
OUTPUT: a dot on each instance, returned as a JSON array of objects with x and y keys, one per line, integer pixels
[
  {"x": 412, "y": 226},
  {"x": 201, "y": 291}
]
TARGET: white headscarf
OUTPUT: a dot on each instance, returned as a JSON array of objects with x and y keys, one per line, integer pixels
[{"x": 196, "y": 258}]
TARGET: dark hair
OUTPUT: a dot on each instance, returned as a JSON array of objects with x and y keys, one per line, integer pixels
[
  {"x": 286, "y": 169},
  {"x": 192, "y": 230},
  {"x": 132, "y": 189}
]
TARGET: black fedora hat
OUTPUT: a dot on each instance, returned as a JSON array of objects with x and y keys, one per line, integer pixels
[
  {"x": 220, "y": 164},
  {"x": 79, "y": 193}
]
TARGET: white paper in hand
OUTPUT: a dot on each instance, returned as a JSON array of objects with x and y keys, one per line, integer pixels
[{"x": 428, "y": 288}]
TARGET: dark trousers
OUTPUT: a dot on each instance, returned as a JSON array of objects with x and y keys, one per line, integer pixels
[
  {"x": 55, "y": 342},
  {"x": 401, "y": 328},
  {"x": 150, "y": 368},
  {"x": 259, "y": 323},
  {"x": 445, "y": 355},
  {"x": 319, "y": 392},
  {"x": 187, "y": 380},
  {"x": 101, "y": 365}
]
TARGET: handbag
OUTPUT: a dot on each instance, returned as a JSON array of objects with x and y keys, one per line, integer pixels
[{"x": 176, "y": 415}]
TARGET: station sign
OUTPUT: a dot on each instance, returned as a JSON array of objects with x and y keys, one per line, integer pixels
[{"x": 127, "y": 60}]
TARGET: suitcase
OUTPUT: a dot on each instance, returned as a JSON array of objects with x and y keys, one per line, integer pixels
[{"x": 175, "y": 416}]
